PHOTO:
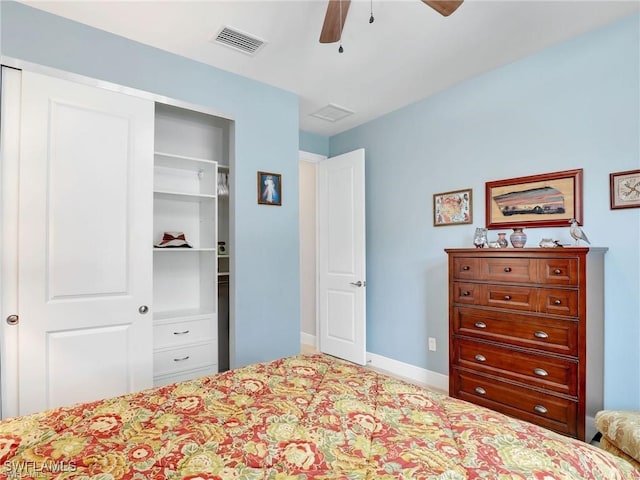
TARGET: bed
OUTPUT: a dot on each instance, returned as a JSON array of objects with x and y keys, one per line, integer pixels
[{"x": 302, "y": 417}]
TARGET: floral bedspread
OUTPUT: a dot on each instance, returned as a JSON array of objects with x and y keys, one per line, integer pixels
[{"x": 303, "y": 417}]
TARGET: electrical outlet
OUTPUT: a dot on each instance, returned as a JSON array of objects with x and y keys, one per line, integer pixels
[{"x": 432, "y": 344}]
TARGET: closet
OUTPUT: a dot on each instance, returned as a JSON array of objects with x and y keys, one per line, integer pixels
[
  {"x": 190, "y": 177},
  {"x": 92, "y": 179}
]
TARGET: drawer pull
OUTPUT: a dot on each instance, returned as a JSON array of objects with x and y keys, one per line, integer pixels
[
  {"x": 480, "y": 325},
  {"x": 507, "y": 269},
  {"x": 540, "y": 334},
  {"x": 466, "y": 293},
  {"x": 557, "y": 302},
  {"x": 181, "y": 359},
  {"x": 541, "y": 372},
  {"x": 557, "y": 271},
  {"x": 481, "y": 358},
  {"x": 181, "y": 333},
  {"x": 507, "y": 297},
  {"x": 480, "y": 391},
  {"x": 466, "y": 267},
  {"x": 540, "y": 409}
]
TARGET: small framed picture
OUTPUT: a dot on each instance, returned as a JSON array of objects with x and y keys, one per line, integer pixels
[
  {"x": 625, "y": 189},
  {"x": 452, "y": 208},
  {"x": 269, "y": 188}
]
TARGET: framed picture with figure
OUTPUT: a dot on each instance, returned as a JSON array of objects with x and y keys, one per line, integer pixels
[{"x": 269, "y": 188}]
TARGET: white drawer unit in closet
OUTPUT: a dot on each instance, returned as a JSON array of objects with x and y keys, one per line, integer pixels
[
  {"x": 196, "y": 355},
  {"x": 172, "y": 333}
]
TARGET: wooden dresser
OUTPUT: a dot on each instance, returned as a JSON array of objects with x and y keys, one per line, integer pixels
[{"x": 526, "y": 333}]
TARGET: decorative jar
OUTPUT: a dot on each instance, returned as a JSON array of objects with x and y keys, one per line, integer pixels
[{"x": 518, "y": 238}]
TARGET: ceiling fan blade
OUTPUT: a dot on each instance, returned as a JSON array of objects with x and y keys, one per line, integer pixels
[
  {"x": 444, "y": 7},
  {"x": 333, "y": 24}
]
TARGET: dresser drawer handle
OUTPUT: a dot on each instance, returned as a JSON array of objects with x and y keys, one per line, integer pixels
[
  {"x": 181, "y": 359},
  {"x": 540, "y": 334},
  {"x": 540, "y": 409},
  {"x": 481, "y": 358},
  {"x": 557, "y": 271},
  {"x": 507, "y": 297},
  {"x": 466, "y": 267},
  {"x": 480, "y": 325},
  {"x": 184, "y": 332},
  {"x": 507, "y": 269},
  {"x": 480, "y": 391},
  {"x": 541, "y": 372},
  {"x": 557, "y": 302},
  {"x": 466, "y": 293}
]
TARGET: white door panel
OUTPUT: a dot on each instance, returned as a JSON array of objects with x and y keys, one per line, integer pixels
[
  {"x": 342, "y": 260},
  {"x": 86, "y": 170}
]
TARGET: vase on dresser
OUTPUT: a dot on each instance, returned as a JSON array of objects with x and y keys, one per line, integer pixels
[{"x": 518, "y": 238}]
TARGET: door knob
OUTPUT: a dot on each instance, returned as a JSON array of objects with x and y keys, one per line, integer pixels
[
  {"x": 13, "y": 319},
  {"x": 143, "y": 309},
  {"x": 359, "y": 283}
]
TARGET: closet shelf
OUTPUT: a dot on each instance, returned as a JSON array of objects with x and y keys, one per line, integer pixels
[
  {"x": 183, "y": 195},
  {"x": 183, "y": 315},
  {"x": 172, "y": 160},
  {"x": 160, "y": 249}
]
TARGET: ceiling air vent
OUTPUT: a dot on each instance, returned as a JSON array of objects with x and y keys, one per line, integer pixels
[
  {"x": 332, "y": 113},
  {"x": 239, "y": 40}
]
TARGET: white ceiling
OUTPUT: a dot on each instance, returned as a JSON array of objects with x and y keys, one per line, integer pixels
[{"x": 408, "y": 53}]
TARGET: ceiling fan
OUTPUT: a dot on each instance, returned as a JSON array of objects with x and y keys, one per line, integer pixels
[{"x": 337, "y": 14}]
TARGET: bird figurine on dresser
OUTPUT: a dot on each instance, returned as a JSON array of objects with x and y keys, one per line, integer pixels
[{"x": 576, "y": 232}]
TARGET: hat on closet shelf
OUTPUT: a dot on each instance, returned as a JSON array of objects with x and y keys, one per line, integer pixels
[{"x": 173, "y": 240}]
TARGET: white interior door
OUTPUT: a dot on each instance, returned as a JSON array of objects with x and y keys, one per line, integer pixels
[
  {"x": 85, "y": 243},
  {"x": 342, "y": 259}
]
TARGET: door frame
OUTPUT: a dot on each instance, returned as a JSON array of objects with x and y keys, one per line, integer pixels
[
  {"x": 8, "y": 197},
  {"x": 315, "y": 159},
  {"x": 9, "y": 164}
]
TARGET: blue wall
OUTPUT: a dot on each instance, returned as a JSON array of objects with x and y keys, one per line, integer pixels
[
  {"x": 314, "y": 143},
  {"x": 267, "y": 301},
  {"x": 575, "y": 105}
]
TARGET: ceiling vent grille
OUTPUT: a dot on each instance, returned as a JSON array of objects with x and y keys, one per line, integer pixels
[
  {"x": 239, "y": 40},
  {"x": 332, "y": 113}
]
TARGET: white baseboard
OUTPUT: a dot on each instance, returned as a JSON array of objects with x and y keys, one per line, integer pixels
[
  {"x": 308, "y": 339},
  {"x": 410, "y": 372},
  {"x": 395, "y": 367}
]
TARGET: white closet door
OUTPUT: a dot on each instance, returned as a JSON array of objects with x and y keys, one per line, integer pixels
[{"x": 85, "y": 243}]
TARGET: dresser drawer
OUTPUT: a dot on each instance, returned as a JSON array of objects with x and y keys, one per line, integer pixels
[
  {"x": 173, "y": 360},
  {"x": 465, "y": 268},
  {"x": 510, "y": 297},
  {"x": 531, "y": 331},
  {"x": 531, "y": 369},
  {"x": 558, "y": 302},
  {"x": 555, "y": 413},
  {"x": 558, "y": 271},
  {"x": 180, "y": 333},
  {"x": 508, "y": 269},
  {"x": 467, "y": 293}
]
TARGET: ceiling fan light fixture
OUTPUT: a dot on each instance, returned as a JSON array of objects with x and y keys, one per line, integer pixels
[{"x": 332, "y": 113}]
